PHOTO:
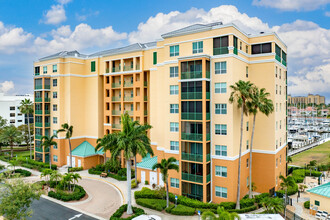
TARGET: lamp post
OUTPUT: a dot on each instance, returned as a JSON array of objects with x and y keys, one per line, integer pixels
[{"x": 305, "y": 175}]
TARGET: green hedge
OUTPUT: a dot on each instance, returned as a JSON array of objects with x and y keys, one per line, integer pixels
[
  {"x": 157, "y": 204},
  {"x": 243, "y": 210},
  {"x": 96, "y": 171},
  {"x": 22, "y": 172},
  {"x": 182, "y": 210},
  {"x": 117, "y": 215},
  {"x": 260, "y": 197},
  {"x": 299, "y": 174},
  {"x": 78, "y": 193},
  {"x": 75, "y": 169},
  {"x": 32, "y": 164},
  {"x": 291, "y": 191},
  {"x": 307, "y": 204},
  {"x": 244, "y": 203},
  {"x": 169, "y": 208}
]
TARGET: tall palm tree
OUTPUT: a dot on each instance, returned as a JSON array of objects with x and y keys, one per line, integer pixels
[
  {"x": 285, "y": 184},
  {"x": 47, "y": 142},
  {"x": 257, "y": 102},
  {"x": 10, "y": 135},
  {"x": 272, "y": 205},
  {"x": 222, "y": 215},
  {"x": 26, "y": 108},
  {"x": 133, "y": 135},
  {"x": 164, "y": 166},
  {"x": 107, "y": 143},
  {"x": 68, "y": 134},
  {"x": 240, "y": 95}
]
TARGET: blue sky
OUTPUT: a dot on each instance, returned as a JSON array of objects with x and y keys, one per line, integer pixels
[{"x": 32, "y": 29}]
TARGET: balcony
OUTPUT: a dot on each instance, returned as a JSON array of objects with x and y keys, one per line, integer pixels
[
  {"x": 145, "y": 83},
  {"x": 47, "y": 99},
  {"x": 278, "y": 58},
  {"x": 191, "y": 116},
  {"x": 116, "y": 85},
  {"x": 193, "y": 196},
  {"x": 38, "y": 87},
  {"x": 192, "y": 177},
  {"x": 208, "y": 178},
  {"x": 128, "y": 68},
  {"x": 107, "y": 70},
  {"x": 283, "y": 62},
  {"x": 115, "y": 112},
  {"x": 207, "y": 95},
  {"x": 128, "y": 98},
  {"x": 192, "y": 157},
  {"x": 116, "y": 98},
  {"x": 191, "y": 95},
  {"x": 207, "y": 116},
  {"x": 220, "y": 50},
  {"x": 47, "y": 124},
  {"x": 137, "y": 67},
  {"x": 37, "y": 74},
  {"x": 47, "y": 86},
  {"x": 235, "y": 51},
  {"x": 191, "y": 136},
  {"x": 38, "y": 124},
  {"x": 128, "y": 84},
  {"x": 38, "y": 112},
  {"x": 191, "y": 75},
  {"x": 208, "y": 157},
  {"x": 39, "y": 99},
  {"x": 116, "y": 69},
  {"x": 145, "y": 98},
  {"x": 47, "y": 112},
  {"x": 116, "y": 126},
  {"x": 208, "y": 74},
  {"x": 208, "y": 136},
  {"x": 39, "y": 149},
  {"x": 38, "y": 136},
  {"x": 145, "y": 112}
]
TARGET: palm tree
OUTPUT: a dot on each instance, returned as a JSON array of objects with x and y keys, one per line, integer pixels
[
  {"x": 164, "y": 166},
  {"x": 68, "y": 134},
  {"x": 10, "y": 135},
  {"x": 223, "y": 215},
  {"x": 46, "y": 173},
  {"x": 257, "y": 102},
  {"x": 272, "y": 205},
  {"x": 133, "y": 135},
  {"x": 285, "y": 184},
  {"x": 67, "y": 179},
  {"x": 289, "y": 159},
  {"x": 26, "y": 108},
  {"x": 75, "y": 178},
  {"x": 240, "y": 95},
  {"x": 47, "y": 142},
  {"x": 55, "y": 176},
  {"x": 108, "y": 142}
]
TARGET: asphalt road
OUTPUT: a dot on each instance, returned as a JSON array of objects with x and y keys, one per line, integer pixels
[{"x": 44, "y": 209}]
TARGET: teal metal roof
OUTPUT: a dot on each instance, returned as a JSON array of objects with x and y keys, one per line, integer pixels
[
  {"x": 85, "y": 149},
  {"x": 323, "y": 190},
  {"x": 147, "y": 162}
]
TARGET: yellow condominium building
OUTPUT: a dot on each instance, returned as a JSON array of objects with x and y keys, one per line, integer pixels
[
  {"x": 309, "y": 99},
  {"x": 181, "y": 86}
]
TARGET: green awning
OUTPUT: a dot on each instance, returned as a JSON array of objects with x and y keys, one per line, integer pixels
[
  {"x": 147, "y": 162},
  {"x": 85, "y": 149},
  {"x": 322, "y": 190}
]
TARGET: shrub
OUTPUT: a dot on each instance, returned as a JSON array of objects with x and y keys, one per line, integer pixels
[
  {"x": 146, "y": 182},
  {"x": 100, "y": 167},
  {"x": 117, "y": 215},
  {"x": 246, "y": 203},
  {"x": 156, "y": 204},
  {"x": 94, "y": 171},
  {"x": 133, "y": 184},
  {"x": 182, "y": 210},
  {"x": 75, "y": 169},
  {"x": 2, "y": 167},
  {"x": 243, "y": 210},
  {"x": 169, "y": 208},
  {"x": 259, "y": 198},
  {"x": 24, "y": 173},
  {"x": 78, "y": 193},
  {"x": 117, "y": 177},
  {"x": 228, "y": 205},
  {"x": 307, "y": 204}
]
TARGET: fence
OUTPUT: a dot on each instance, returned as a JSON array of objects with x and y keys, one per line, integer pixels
[{"x": 291, "y": 216}]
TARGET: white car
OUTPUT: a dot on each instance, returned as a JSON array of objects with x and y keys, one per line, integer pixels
[{"x": 324, "y": 214}]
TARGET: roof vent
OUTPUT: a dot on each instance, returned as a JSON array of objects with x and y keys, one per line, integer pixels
[{"x": 262, "y": 32}]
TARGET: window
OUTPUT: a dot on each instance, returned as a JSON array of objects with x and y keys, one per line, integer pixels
[
  {"x": 174, "y": 127},
  {"x": 276, "y": 107},
  {"x": 174, "y": 90},
  {"x": 220, "y": 87},
  {"x": 276, "y": 72},
  {"x": 54, "y": 82},
  {"x": 240, "y": 45},
  {"x": 54, "y": 132},
  {"x": 276, "y": 162},
  {"x": 174, "y": 71},
  {"x": 93, "y": 66},
  {"x": 54, "y": 108},
  {"x": 247, "y": 144},
  {"x": 280, "y": 124},
  {"x": 54, "y": 120},
  {"x": 45, "y": 69},
  {"x": 247, "y": 181},
  {"x": 247, "y": 49},
  {"x": 280, "y": 89},
  {"x": 221, "y": 150},
  {"x": 37, "y": 70},
  {"x": 247, "y": 126},
  {"x": 55, "y": 68},
  {"x": 174, "y": 51},
  {"x": 220, "y": 109},
  {"x": 276, "y": 89},
  {"x": 247, "y": 72},
  {"x": 276, "y": 125},
  {"x": 108, "y": 92},
  {"x": 280, "y": 73},
  {"x": 280, "y": 159},
  {"x": 221, "y": 192},
  {"x": 174, "y": 145},
  {"x": 220, "y": 129},
  {"x": 54, "y": 158},
  {"x": 276, "y": 144},
  {"x": 221, "y": 171},
  {"x": 54, "y": 147},
  {"x": 197, "y": 47},
  {"x": 12, "y": 108},
  {"x": 280, "y": 106},
  {"x": 174, "y": 108},
  {"x": 262, "y": 48},
  {"x": 221, "y": 67},
  {"x": 108, "y": 79},
  {"x": 54, "y": 95},
  {"x": 12, "y": 114},
  {"x": 175, "y": 183},
  {"x": 317, "y": 203},
  {"x": 247, "y": 163},
  {"x": 154, "y": 58}
]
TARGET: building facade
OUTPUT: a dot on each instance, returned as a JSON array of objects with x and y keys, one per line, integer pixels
[
  {"x": 181, "y": 86},
  {"x": 9, "y": 109},
  {"x": 309, "y": 99}
]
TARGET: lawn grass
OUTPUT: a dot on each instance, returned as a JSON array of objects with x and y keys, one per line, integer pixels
[
  {"x": 320, "y": 153},
  {"x": 21, "y": 153}
]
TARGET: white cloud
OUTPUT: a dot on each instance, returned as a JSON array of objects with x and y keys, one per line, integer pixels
[
  {"x": 292, "y": 5},
  {"x": 6, "y": 86},
  {"x": 327, "y": 13},
  {"x": 55, "y": 15},
  {"x": 64, "y": 2}
]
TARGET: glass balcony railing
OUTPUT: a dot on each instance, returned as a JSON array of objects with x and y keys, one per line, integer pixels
[
  {"x": 278, "y": 58},
  {"x": 128, "y": 68},
  {"x": 191, "y": 95},
  {"x": 145, "y": 98},
  {"x": 128, "y": 98},
  {"x": 145, "y": 112},
  {"x": 39, "y": 149},
  {"x": 47, "y": 112},
  {"x": 47, "y": 124},
  {"x": 208, "y": 74},
  {"x": 38, "y": 99},
  {"x": 207, "y": 116},
  {"x": 38, "y": 124},
  {"x": 145, "y": 83},
  {"x": 116, "y": 85},
  {"x": 191, "y": 75},
  {"x": 137, "y": 67},
  {"x": 128, "y": 84},
  {"x": 284, "y": 62},
  {"x": 107, "y": 70},
  {"x": 38, "y": 87},
  {"x": 38, "y": 112},
  {"x": 235, "y": 51},
  {"x": 207, "y": 95},
  {"x": 47, "y": 86},
  {"x": 193, "y": 196},
  {"x": 116, "y": 98},
  {"x": 208, "y": 136},
  {"x": 47, "y": 99},
  {"x": 115, "y": 112},
  {"x": 208, "y": 157},
  {"x": 192, "y": 157},
  {"x": 192, "y": 177},
  {"x": 116, "y": 69},
  {"x": 208, "y": 178},
  {"x": 38, "y": 136},
  {"x": 116, "y": 126},
  {"x": 191, "y": 136},
  {"x": 220, "y": 50},
  {"x": 191, "y": 116},
  {"x": 36, "y": 74}
]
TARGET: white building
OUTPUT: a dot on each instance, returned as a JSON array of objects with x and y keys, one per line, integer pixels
[{"x": 9, "y": 109}]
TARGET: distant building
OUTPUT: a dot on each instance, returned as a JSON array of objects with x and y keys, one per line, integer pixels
[
  {"x": 9, "y": 109},
  {"x": 309, "y": 99},
  {"x": 320, "y": 198}
]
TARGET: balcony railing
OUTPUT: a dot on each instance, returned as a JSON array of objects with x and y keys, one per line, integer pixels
[
  {"x": 207, "y": 95},
  {"x": 39, "y": 149},
  {"x": 235, "y": 51},
  {"x": 116, "y": 126},
  {"x": 137, "y": 67},
  {"x": 38, "y": 124},
  {"x": 116, "y": 85},
  {"x": 38, "y": 87},
  {"x": 145, "y": 112},
  {"x": 192, "y": 177},
  {"x": 38, "y": 136},
  {"x": 36, "y": 74},
  {"x": 38, "y": 112},
  {"x": 116, "y": 98},
  {"x": 191, "y": 95},
  {"x": 207, "y": 116},
  {"x": 193, "y": 196},
  {"x": 47, "y": 86},
  {"x": 208, "y": 178},
  {"x": 128, "y": 99},
  {"x": 191, "y": 136},
  {"x": 278, "y": 58},
  {"x": 145, "y": 83},
  {"x": 128, "y": 68},
  {"x": 208, "y": 136},
  {"x": 283, "y": 62},
  {"x": 115, "y": 112},
  {"x": 208, "y": 74},
  {"x": 192, "y": 157},
  {"x": 47, "y": 124},
  {"x": 128, "y": 84},
  {"x": 38, "y": 99},
  {"x": 220, "y": 50},
  {"x": 116, "y": 69},
  {"x": 107, "y": 70},
  {"x": 191, "y": 75},
  {"x": 191, "y": 116},
  {"x": 145, "y": 98},
  {"x": 47, "y": 112},
  {"x": 47, "y": 99}
]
